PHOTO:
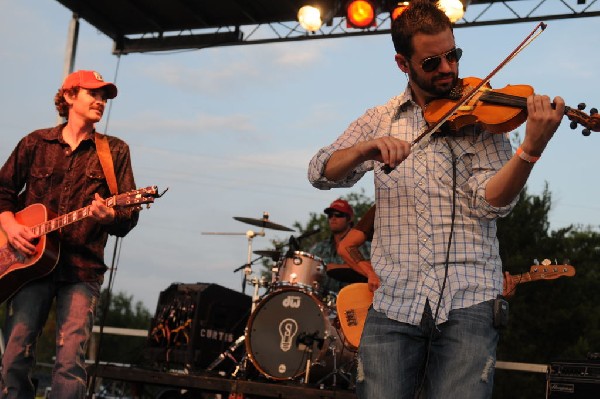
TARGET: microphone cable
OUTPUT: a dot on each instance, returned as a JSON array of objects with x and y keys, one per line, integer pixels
[{"x": 446, "y": 267}]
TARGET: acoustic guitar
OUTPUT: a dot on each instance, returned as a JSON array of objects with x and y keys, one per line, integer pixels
[
  {"x": 354, "y": 300},
  {"x": 16, "y": 269}
]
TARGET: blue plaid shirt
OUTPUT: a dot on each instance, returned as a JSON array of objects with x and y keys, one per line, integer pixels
[{"x": 414, "y": 207}]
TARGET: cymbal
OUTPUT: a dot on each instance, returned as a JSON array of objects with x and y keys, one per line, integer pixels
[
  {"x": 275, "y": 255},
  {"x": 264, "y": 222}
]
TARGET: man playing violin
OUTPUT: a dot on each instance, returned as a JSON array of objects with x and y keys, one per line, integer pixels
[{"x": 430, "y": 331}]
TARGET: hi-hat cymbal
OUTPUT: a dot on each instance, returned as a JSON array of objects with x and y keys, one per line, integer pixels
[
  {"x": 275, "y": 255},
  {"x": 264, "y": 222}
]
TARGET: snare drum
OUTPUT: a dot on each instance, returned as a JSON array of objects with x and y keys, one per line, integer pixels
[
  {"x": 301, "y": 270},
  {"x": 288, "y": 328}
]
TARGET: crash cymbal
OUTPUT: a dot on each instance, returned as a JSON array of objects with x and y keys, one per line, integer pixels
[
  {"x": 275, "y": 255},
  {"x": 264, "y": 222}
]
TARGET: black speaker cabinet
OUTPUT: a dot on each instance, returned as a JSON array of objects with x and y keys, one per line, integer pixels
[
  {"x": 194, "y": 324},
  {"x": 573, "y": 380}
]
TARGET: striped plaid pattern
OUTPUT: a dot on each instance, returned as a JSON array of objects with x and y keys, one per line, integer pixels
[{"x": 414, "y": 208}]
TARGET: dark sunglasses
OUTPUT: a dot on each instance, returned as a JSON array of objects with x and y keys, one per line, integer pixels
[
  {"x": 430, "y": 64},
  {"x": 336, "y": 214}
]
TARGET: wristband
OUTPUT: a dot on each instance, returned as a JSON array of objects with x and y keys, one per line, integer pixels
[{"x": 525, "y": 156}]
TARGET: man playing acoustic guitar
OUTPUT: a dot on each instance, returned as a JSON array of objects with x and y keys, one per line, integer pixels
[{"x": 60, "y": 168}]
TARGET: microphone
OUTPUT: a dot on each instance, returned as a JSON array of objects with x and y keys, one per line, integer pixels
[{"x": 293, "y": 246}]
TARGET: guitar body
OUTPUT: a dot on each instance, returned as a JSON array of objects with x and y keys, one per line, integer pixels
[
  {"x": 16, "y": 269},
  {"x": 353, "y": 303},
  {"x": 354, "y": 300}
]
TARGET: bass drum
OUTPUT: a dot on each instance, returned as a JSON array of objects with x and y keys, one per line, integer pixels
[{"x": 291, "y": 326}]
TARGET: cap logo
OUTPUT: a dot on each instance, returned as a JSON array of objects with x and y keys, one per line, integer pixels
[{"x": 98, "y": 76}]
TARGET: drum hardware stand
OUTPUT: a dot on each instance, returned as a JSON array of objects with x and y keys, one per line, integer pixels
[
  {"x": 308, "y": 340},
  {"x": 308, "y": 365},
  {"x": 228, "y": 353},
  {"x": 336, "y": 371}
]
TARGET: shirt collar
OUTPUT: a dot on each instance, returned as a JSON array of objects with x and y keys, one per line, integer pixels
[{"x": 55, "y": 134}]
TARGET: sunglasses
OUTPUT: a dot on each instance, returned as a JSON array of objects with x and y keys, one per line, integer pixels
[
  {"x": 430, "y": 64},
  {"x": 336, "y": 214}
]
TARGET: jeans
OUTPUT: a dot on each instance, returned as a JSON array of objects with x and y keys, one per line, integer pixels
[
  {"x": 27, "y": 313},
  {"x": 393, "y": 362}
]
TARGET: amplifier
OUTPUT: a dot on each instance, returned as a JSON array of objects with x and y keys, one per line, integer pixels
[
  {"x": 194, "y": 324},
  {"x": 573, "y": 380}
]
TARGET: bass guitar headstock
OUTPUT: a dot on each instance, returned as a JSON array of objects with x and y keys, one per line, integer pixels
[{"x": 590, "y": 123}]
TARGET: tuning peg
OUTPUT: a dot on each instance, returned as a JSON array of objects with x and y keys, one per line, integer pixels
[
  {"x": 581, "y": 106},
  {"x": 536, "y": 262},
  {"x": 586, "y": 132},
  {"x": 593, "y": 111},
  {"x": 573, "y": 125}
]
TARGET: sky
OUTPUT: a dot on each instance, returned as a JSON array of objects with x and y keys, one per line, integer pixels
[{"x": 230, "y": 130}]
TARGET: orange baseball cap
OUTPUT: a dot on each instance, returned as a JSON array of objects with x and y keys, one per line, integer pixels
[
  {"x": 89, "y": 80},
  {"x": 340, "y": 205}
]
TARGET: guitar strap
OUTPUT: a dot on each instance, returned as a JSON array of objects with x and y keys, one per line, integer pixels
[{"x": 106, "y": 161}]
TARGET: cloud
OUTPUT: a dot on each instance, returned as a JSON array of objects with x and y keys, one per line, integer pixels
[{"x": 153, "y": 124}]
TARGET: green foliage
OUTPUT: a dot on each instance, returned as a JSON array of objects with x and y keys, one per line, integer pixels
[
  {"x": 124, "y": 313},
  {"x": 359, "y": 202},
  {"x": 550, "y": 320}
]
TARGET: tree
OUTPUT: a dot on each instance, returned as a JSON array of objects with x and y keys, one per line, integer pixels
[
  {"x": 543, "y": 314},
  {"x": 359, "y": 202},
  {"x": 122, "y": 312}
]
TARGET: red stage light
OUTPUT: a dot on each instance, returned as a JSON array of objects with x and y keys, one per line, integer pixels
[
  {"x": 399, "y": 9},
  {"x": 360, "y": 14}
]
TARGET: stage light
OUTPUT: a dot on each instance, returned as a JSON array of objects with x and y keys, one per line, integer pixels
[
  {"x": 454, "y": 9},
  {"x": 360, "y": 14},
  {"x": 399, "y": 9},
  {"x": 309, "y": 18}
]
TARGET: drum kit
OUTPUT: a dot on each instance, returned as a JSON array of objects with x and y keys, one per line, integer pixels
[{"x": 293, "y": 331}]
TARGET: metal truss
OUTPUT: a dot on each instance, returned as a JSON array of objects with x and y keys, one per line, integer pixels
[{"x": 478, "y": 13}]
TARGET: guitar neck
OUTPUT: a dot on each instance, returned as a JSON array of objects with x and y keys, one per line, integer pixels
[
  {"x": 66, "y": 219},
  {"x": 521, "y": 278}
]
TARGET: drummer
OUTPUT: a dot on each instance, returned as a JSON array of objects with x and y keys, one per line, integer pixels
[{"x": 340, "y": 216}]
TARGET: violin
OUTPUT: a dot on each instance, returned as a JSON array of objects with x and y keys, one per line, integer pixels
[
  {"x": 473, "y": 101},
  {"x": 496, "y": 110}
]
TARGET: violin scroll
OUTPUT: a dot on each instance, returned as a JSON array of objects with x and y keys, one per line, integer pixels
[{"x": 591, "y": 122}]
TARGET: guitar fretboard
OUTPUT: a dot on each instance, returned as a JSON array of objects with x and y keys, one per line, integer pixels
[{"x": 66, "y": 219}]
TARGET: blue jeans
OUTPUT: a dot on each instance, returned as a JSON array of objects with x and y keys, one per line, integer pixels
[
  {"x": 27, "y": 313},
  {"x": 462, "y": 356}
]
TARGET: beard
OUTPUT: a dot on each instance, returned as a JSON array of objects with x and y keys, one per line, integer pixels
[{"x": 431, "y": 85}]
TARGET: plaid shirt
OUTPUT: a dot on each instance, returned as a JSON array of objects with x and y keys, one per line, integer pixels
[
  {"x": 63, "y": 180},
  {"x": 414, "y": 207}
]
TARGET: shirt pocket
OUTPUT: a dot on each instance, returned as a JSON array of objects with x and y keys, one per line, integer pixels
[
  {"x": 40, "y": 181},
  {"x": 464, "y": 171},
  {"x": 386, "y": 181},
  {"x": 95, "y": 181}
]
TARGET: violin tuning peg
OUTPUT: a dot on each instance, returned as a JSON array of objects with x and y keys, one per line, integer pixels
[
  {"x": 593, "y": 111},
  {"x": 586, "y": 132},
  {"x": 581, "y": 106},
  {"x": 573, "y": 125}
]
